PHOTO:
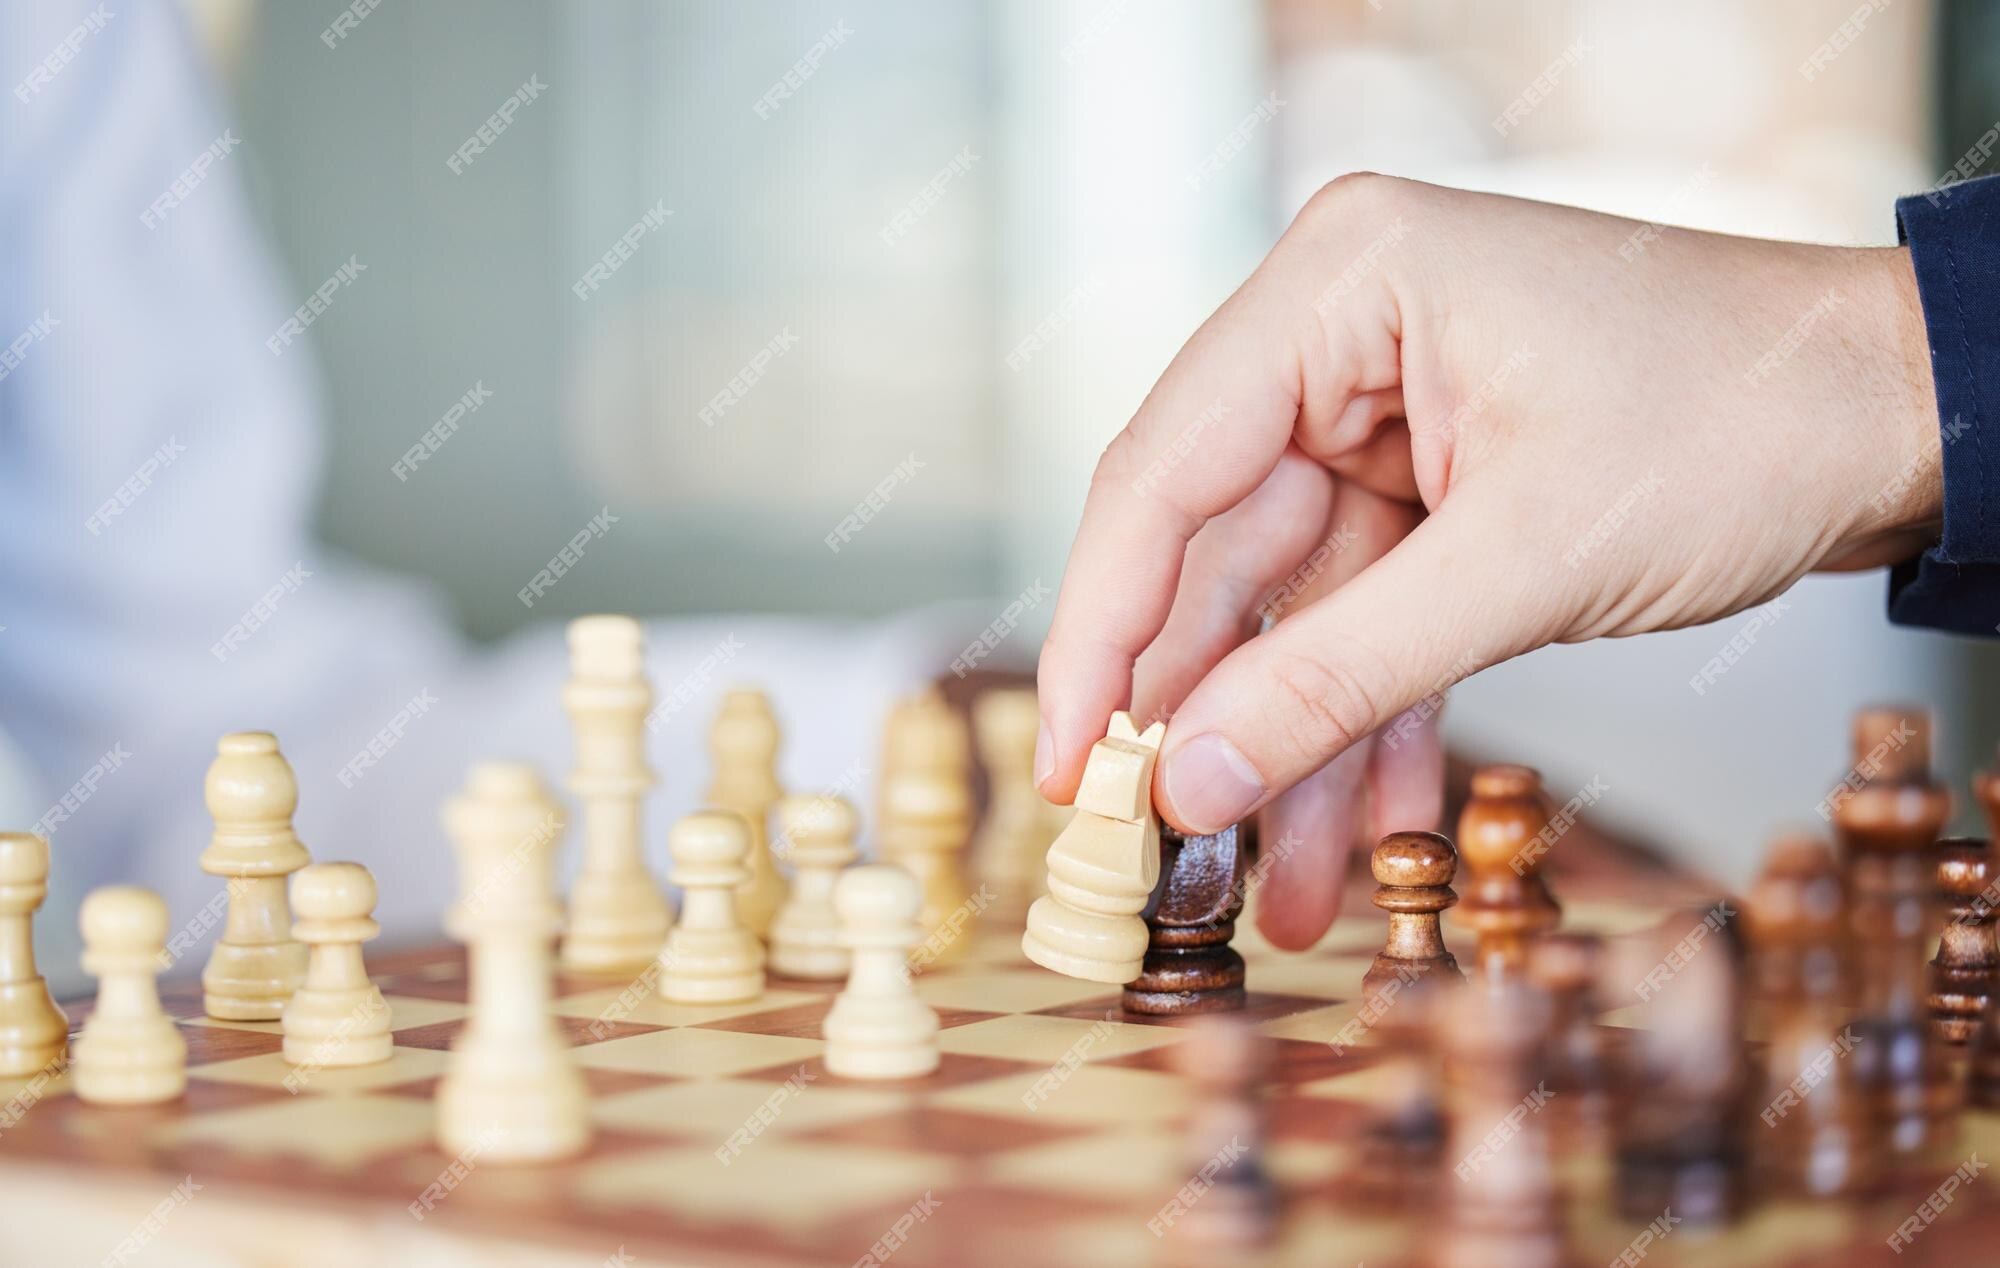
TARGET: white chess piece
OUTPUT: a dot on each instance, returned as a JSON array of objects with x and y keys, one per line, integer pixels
[
  {"x": 34, "y": 1034},
  {"x": 743, "y": 745},
  {"x": 511, "y": 1093},
  {"x": 130, "y": 1051},
  {"x": 618, "y": 918},
  {"x": 878, "y": 1028},
  {"x": 710, "y": 958},
  {"x": 1103, "y": 867},
  {"x": 337, "y": 1017},
  {"x": 257, "y": 964},
  {"x": 927, "y": 824},
  {"x": 805, "y": 937},
  {"x": 1015, "y": 833}
]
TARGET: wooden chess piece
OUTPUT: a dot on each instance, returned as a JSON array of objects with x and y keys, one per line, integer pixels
[
  {"x": 257, "y": 964},
  {"x": 1683, "y": 1086},
  {"x": 878, "y": 1028},
  {"x": 1229, "y": 1064},
  {"x": 1502, "y": 838},
  {"x": 1887, "y": 815},
  {"x": 1103, "y": 867},
  {"x": 805, "y": 936},
  {"x": 337, "y": 1017},
  {"x": 928, "y": 824},
  {"x": 1014, "y": 834},
  {"x": 1413, "y": 873},
  {"x": 744, "y": 745},
  {"x": 618, "y": 917},
  {"x": 511, "y": 1092},
  {"x": 34, "y": 1034},
  {"x": 710, "y": 958},
  {"x": 1819, "y": 1136},
  {"x": 1189, "y": 966},
  {"x": 1568, "y": 968},
  {"x": 1967, "y": 967},
  {"x": 1504, "y": 1209},
  {"x": 1983, "y": 1064},
  {"x": 130, "y": 1051},
  {"x": 924, "y": 733}
]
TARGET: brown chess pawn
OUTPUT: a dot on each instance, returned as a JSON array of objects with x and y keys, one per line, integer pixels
[
  {"x": 1982, "y": 1080},
  {"x": 1819, "y": 1136},
  {"x": 1568, "y": 966},
  {"x": 1413, "y": 873},
  {"x": 1190, "y": 966},
  {"x": 1682, "y": 1083},
  {"x": 1229, "y": 1064},
  {"x": 1967, "y": 966},
  {"x": 1401, "y": 1143},
  {"x": 1503, "y": 1209},
  {"x": 1887, "y": 814},
  {"x": 1502, "y": 839}
]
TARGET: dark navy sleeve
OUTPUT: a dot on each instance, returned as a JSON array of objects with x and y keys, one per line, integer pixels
[{"x": 1954, "y": 239}]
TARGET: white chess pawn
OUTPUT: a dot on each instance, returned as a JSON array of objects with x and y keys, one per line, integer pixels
[
  {"x": 743, "y": 744},
  {"x": 257, "y": 964},
  {"x": 337, "y": 1017},
  {"x": 512, "y": 1092},
  {"x": 618, "y": 917},
  {"x": 710, "y": 958},
  {"x": 805, "y": 937},
  {"x": 1103, "y": 867},
  {"x": 928, "y": 821},
  {"x": 130, "y": 1051},
  {"x": 878, "y": 1028},
  {"x": 1015, "y": 833},
  {"x": 33, "y": 1031}
]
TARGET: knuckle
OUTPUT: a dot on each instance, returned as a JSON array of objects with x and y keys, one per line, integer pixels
[
  {"x": 1323, "y": 702},
  {"x": 1120, "y": 466},
  {"x": 1344, "y": 196}
]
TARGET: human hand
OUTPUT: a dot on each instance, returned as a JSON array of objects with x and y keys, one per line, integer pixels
[{"x": 1446, "y": 428}]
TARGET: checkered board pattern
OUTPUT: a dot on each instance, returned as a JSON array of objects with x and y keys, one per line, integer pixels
[{"x": 970, "y": 1166}]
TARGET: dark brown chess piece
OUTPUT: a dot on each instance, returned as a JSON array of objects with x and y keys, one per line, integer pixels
[
  {"x": 1190, "y": 966},
  {"x": 1502, "y": 1206},
  {"x": 1567, "y": 967},
  {"x": 1401, "y": 1143},
  {"x": 1967, "y": 967},
  {"x": 1887, "y": 813},
  {"x": 1682, "y": 1084},
  {"x": 1413, "y": 873},
  {"x": 1983, "y": 1066},
  {"x": 1228, "y": 1201},
  {"x": 1819, "y": 1136},
  {"x": 1503, "y": 834}
]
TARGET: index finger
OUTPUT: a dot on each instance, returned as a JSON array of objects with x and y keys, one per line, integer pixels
[{"x": 1206, "y": 436}]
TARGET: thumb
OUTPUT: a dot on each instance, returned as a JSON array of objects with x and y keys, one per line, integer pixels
[{"x": 1446, "y": 602}]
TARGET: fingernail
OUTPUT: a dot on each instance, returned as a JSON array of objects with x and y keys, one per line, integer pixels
[
  {"x": 1210, "y": 783},
  {"x": 1045, "y": 755}
]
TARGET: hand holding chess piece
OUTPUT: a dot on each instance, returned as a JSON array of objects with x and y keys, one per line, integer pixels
[
  {"x": 878, "y": 1028},
  {"x": 1103, "y": 868},
  {"x": 257, "y": 964},
  {"x": 33, "y": 1031},
  {"x": 337, "y": 1017},
  {"x": 130, "y": 1051}
]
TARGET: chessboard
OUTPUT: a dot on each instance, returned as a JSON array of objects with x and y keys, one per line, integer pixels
[{"x": 1048, "y": 1135}]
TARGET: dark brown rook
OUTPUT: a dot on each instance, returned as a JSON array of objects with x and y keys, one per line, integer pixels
[
  {"x": 1413, "y": 873},
  {"x": 1887, "y": 812},
  {"x": 1189, "y": 966},
  {"x": 1501, "y": 837},
  {"x": 1967, "y": 967},
  {"x": 1819, "y": 1135}
]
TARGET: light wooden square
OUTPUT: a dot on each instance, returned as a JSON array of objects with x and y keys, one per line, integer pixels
[
  {"x": 713, "y": 1110},
  {"x": 405, "y": 1065},
  {"x": 794, "y": 1184},
  {"x": 1026, "y": 1037},
  {"x": 691, "y": 1053},
  {"x": 343, "y": 1132},
  {"x": 1009, "y": 990},
  {"x": 1136, "y": 1163},
  {"x": 651, "y": 1010},
  {"x": 1109, "y": 1095}
]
